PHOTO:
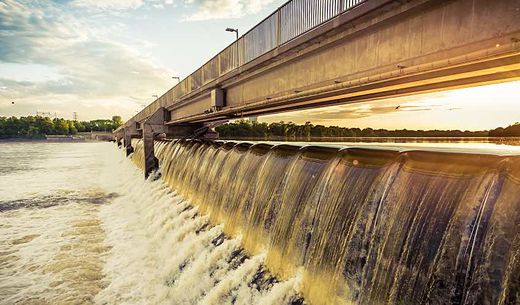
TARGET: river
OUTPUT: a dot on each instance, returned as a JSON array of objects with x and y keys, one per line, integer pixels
[{"x": 79, "y": 225}]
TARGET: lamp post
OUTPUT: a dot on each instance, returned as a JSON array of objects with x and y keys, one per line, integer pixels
[
  {"x": 236, "y": 45},
  {"x": 155, "y": 95},
  {"x": 233, "y": 30},
  {"x": 177, "y": 78}
]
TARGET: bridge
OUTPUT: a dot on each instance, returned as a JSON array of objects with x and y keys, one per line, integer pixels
[{"x": 311, "y": 53}]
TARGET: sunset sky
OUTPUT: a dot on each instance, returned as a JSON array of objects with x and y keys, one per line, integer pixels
[
  {"x": 475, "y": 108},
  {"x": 103, "y": 58}
]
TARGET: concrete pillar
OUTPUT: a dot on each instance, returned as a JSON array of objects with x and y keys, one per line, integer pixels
[
  {"x": 119, "y": 134},
  {"x": 155, "y": 126},
  {"x": 130, "y": 131},
  {"x": 152, "y": 127},
  {"x": 151, "y": 163}
]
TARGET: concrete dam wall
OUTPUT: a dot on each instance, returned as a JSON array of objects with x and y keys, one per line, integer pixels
[{"x": 361, "y": 226}]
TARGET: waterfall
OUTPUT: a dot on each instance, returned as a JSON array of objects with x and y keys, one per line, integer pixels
[
  {"x": 345, "y": 226},
  {"x": 162, "y": 250}
]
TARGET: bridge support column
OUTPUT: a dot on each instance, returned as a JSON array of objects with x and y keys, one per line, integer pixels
[
  {"x": 119, "y": 135},
  {"x": 156, "y": 125},
  {"x": 152, "y": 127},
  {"x": 129, "y": 132}
]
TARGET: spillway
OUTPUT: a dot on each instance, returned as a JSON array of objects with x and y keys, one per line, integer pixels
[{"x": 358, "y": 225}]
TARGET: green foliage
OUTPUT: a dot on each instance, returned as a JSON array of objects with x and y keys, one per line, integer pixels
[
  {"x": 117, "y": 120},
  {"x": 247, "y": 129},
  {"x": 38, "y": 127}
]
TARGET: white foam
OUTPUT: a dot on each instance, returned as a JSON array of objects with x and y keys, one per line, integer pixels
[{"x": 144, "y": 246}]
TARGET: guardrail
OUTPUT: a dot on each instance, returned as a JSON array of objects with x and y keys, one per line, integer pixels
[{"x": 291, "y": 20}]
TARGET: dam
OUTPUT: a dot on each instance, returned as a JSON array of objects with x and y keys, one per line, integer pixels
[
  {"x": 352, "y": 225},
  {"x": 326, "y": 225},
  {"x": 258, "y": 222}
]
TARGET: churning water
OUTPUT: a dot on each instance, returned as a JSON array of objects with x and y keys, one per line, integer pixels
[
  {"x": 261, "y": 224},
  {"x": 358, "y": 225},
  {"x": 78, "y": 225}
]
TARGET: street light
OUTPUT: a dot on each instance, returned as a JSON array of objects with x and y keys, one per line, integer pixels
[
  {"x": 236, "y": 46},
  {"x": 155, "y": 95},
  {"x": 232, "y": 30},
  {"x": 177, "y": 78}
]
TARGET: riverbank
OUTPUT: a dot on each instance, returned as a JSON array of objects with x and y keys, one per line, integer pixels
[
  {"x": 79, "y": 137},
  {"x": 51, "y": 140}
]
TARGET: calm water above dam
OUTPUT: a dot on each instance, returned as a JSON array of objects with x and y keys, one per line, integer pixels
[{"x": 242, "y": 224}]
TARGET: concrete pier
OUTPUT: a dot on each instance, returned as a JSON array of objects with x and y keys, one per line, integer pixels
[{"x": 130, "y": 132}]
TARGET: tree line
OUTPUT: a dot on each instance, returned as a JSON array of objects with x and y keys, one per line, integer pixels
[
  {"x": 248, "y": 129},
  {"x": 39, "y": 127}
]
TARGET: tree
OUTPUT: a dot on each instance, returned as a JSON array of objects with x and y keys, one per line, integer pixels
[
  {"x": 118, "y": 121},
  {"x": 512, "y": 131},
  {"x": 276, "y": 130},
  {"x": 72, "y": 128},
  {"x": 38, "y": 126},
  {"x": 80, "y": 126},
  {"x": 61, "y": 126}
]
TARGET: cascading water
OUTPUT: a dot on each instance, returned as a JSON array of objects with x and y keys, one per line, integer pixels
[{"x": 349, "y": 226}]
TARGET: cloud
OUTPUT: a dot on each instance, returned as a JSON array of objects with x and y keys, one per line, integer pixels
[
  {"x": 114, "y": 7},
  {"x": 220, "y": 9},
  {"x": 203, "y": 9},
  {"x": 108, "y": 4},
  {"x": 89, "y": 68}
]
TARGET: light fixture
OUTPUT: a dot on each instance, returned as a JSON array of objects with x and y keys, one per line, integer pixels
[{"x": 233, "y": 30}]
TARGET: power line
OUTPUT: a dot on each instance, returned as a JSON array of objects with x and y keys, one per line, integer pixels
[{"x": 47, "y": 114}]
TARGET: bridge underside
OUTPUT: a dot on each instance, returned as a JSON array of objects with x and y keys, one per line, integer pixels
[
  {"x": 379, "y": 50},
  {"x": 493, "y": 70}
]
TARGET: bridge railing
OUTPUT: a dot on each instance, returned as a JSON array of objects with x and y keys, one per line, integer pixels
[{"x": 291, "y": 20}]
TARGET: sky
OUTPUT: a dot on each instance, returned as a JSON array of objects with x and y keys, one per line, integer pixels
[
  {"x": 106, "y": 57},
  {"x": 474, "y": 108},
  {"x": 100, "y": 58}
]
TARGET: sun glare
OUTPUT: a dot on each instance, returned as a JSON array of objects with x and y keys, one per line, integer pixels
[{"x": 474, "y": 108}]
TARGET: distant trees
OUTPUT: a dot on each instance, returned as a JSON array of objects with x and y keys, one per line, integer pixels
[
  {"x": 510, "y": 131},
  {"x": 247, "y": 129},
  {"x": 38, "y": 127}
]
